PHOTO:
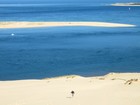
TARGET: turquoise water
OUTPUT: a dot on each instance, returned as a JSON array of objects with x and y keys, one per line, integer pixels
[{"x": 48, "y": 52}]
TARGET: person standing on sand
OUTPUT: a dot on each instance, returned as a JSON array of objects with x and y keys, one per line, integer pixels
[{"x": 72, "y": 92}]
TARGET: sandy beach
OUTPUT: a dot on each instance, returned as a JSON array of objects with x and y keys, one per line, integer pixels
[
  {"x": 111, "y": 89},
  {"x": 60, "y": 24}
]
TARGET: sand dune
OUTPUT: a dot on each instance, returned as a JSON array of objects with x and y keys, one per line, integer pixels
[
  {"x": 111, "y": 89},
  {"x": 60, "y": 24}
]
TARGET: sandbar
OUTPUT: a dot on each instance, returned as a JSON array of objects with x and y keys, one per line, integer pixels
[
  {"x": 26, "y": 24},
  {"x": 126, "y": 4}
]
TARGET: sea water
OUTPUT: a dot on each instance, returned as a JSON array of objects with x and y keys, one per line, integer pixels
[{"x": 48, "y": 52}]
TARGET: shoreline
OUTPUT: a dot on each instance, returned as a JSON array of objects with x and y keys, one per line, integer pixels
[
  {"x": 26, "y": 24},
  {"x": 73, "y": 76}
]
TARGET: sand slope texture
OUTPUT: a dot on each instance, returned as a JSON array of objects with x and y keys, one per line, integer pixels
[{"x": 111, "y": 89}]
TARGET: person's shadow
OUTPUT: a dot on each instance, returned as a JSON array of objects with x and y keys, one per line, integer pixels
[{"x": 69, "y": 97}]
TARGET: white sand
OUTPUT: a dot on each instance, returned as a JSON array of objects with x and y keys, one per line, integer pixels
[
  {"x": 124, "y": 4},
  {"x": 112, "y": 89},
  {"x": 60, "y": 24}
]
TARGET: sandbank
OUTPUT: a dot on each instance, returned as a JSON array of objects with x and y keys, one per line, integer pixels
[
  {"x": 25, "y": 24},
  {"x": 111, "y": 89},
  {"x": 126, "y": 4}
]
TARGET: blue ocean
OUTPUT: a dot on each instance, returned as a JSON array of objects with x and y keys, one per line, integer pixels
[{"x": 35, "y": 53}]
